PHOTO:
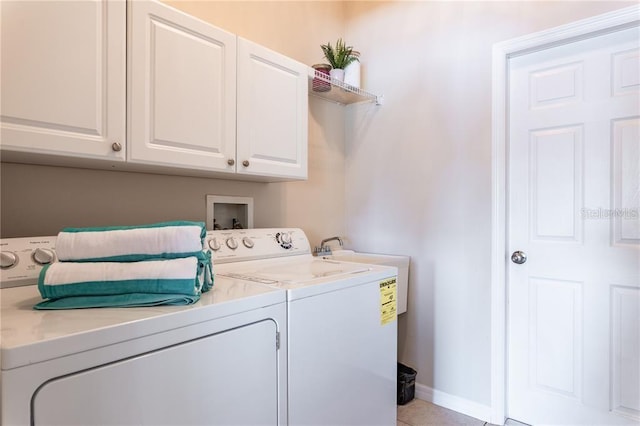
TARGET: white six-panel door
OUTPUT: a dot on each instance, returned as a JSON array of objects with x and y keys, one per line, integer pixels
[
  {"x": 182, "y": 90},
  {"x": 574, "y": 200},
  {"x": 63, "y": 78},
  {"x": 272, "y": 113}
]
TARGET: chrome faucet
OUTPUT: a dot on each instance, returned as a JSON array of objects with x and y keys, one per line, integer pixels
[
  {"x": 326, "y": 240},
  {"x": 325, "y": 249}
]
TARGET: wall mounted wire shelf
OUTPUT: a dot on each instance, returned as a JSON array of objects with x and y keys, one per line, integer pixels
[{"x": 323, "y": 86}]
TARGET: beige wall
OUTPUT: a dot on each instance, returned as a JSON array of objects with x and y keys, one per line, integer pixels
[
  {"x": 37, "y": 200},
  {"x": 418, "y": 169}
]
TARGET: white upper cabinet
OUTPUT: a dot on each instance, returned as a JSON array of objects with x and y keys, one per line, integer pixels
[
  {"x": 63, "y": 78},
  {"x": 182, "y": 90},
  {"x": 140, "y": 81},
  {"x": 272, "y": 113}
]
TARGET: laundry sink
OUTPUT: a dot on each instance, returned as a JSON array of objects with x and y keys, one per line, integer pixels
[{"x": 400, "y": 262}]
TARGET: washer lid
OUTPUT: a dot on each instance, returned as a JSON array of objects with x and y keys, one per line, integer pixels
[{"x": 300, "y": 272}]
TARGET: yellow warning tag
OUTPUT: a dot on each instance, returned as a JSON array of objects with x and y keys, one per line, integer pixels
[{"x": 388, "y": 305}]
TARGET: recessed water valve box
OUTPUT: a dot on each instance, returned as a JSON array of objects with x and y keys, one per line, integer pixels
[{"x": 228, "y": 212}]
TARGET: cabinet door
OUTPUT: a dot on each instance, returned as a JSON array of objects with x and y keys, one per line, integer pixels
[
  {"x": 182, "y": 96},
  {"x": 224, "y": 379},
  {"x": 63, "y": 78},
  {"x": 272, "y": 113}
]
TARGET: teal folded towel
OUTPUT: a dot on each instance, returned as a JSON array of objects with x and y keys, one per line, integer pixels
[
  {"x": 167, "y": 240},
  {"x": 117, "y": 300},
  {"x": 148, "y": 265},
  {"x": 186, "y": 276}
]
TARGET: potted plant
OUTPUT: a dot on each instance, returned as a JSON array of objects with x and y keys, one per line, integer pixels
[{"x": 338, "y": 57}]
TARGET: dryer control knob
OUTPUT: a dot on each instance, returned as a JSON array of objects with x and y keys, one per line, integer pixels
[
  {"x": 43, "y": 256},
  {"x": 248, "y": 242},
  {"x": 232, "y": 243},
  {"x": 8, "y": 259},
  {"x": 214, "y": 244}
]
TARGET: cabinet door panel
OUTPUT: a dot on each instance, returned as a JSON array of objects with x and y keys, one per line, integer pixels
[
  {"x": 182, "y": 92},
  {"x": 63, "y": 77},
  {"x": 272, "y": 113}
]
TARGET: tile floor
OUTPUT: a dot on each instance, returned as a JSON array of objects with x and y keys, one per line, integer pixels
[{"x": 422, "y": 413}]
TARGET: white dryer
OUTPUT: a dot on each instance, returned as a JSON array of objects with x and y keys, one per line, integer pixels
[
  {"x": 342, "y": 328},
  {"x": 219, "y": 361}
]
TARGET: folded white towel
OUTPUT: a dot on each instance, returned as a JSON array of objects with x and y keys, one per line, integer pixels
[
  {"x": 167, "y": 240},
  {"x": 168, "y": 276}
]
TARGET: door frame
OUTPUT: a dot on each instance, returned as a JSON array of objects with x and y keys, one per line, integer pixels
[{"x": 587, "y": 28}]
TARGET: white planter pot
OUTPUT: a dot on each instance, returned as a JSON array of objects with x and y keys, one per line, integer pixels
[
  {"x": 352, "y": 74},
  {"x": 337, "y": 74}
]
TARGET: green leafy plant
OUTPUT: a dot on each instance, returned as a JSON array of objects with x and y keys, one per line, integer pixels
[{"x": 340, "y": 56}]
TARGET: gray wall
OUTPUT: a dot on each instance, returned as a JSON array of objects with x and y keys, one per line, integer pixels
[{"x": 40, "y": 200}]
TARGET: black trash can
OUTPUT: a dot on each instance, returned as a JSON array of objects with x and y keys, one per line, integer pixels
[{"x": 406, "y": 383}]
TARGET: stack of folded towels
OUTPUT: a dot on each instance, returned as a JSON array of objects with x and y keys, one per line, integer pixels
[{"x": 149, "y": 265}]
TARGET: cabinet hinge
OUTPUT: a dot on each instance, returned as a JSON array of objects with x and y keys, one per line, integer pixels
[{"x": 277, "y": 340}]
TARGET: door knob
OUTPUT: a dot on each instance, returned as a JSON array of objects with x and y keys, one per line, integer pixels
[
  {"x": 245, "y": 163},
  {"x": 519, "y": 257}
]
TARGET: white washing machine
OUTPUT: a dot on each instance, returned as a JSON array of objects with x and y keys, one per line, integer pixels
[
  {"x": 219, "y": 361},
  {"x": 342, "y": 328}
]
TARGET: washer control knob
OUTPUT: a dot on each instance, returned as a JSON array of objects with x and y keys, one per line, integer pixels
[
  {"x": 284, "y": 239},
  {"x": 248, "y": 242},
  {"x": 43, "y": 256},
  {"x": 232, "y": 243},
  {"x": 214, "y": 244},
  {"x": 7, "y": 259}
]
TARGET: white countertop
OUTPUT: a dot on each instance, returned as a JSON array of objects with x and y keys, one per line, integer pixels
[{"x": 28, "y": 336}]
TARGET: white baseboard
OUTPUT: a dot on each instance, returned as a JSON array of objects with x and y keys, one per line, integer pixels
[{"x": 452, "y": 402}]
